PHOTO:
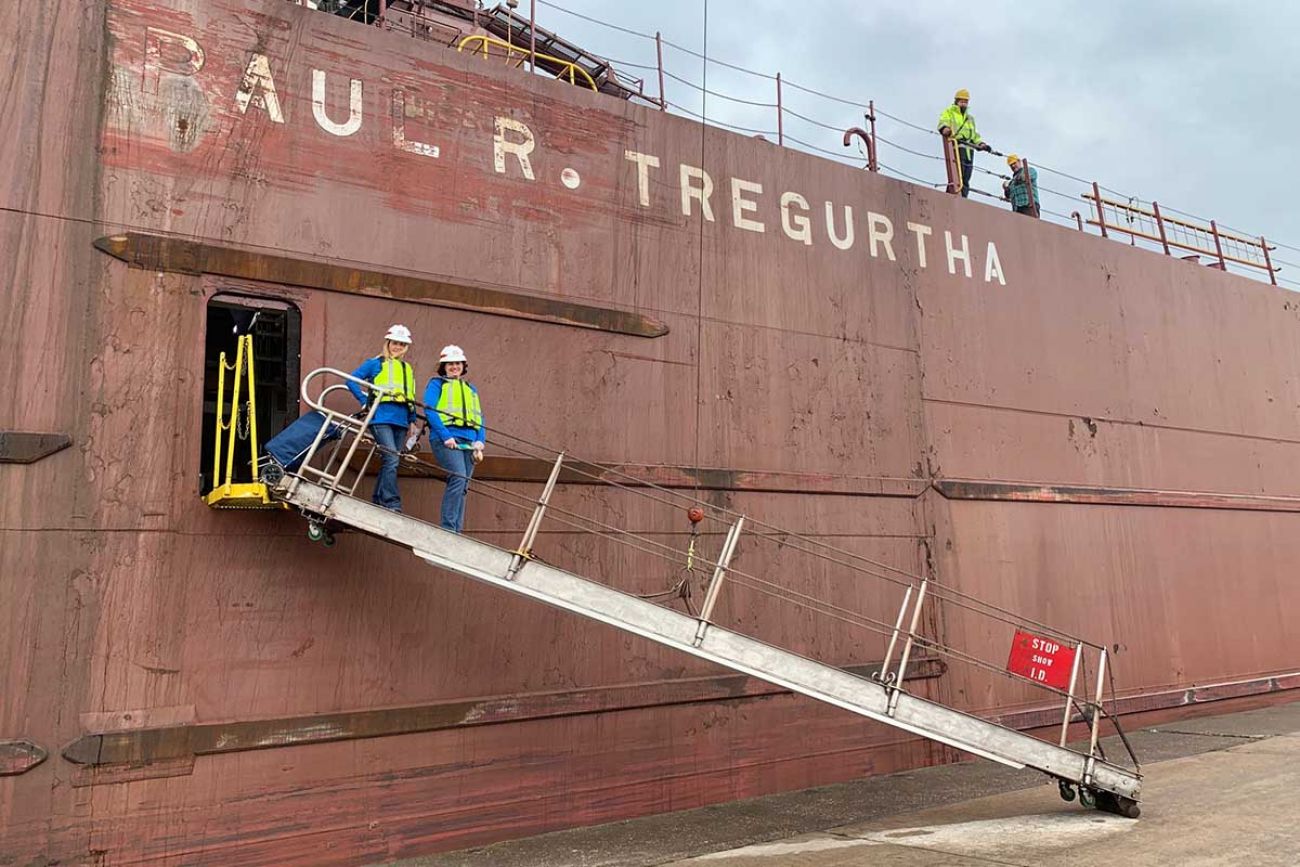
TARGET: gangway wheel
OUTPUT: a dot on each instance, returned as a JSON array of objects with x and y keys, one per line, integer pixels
[{"x": 317, "y": 532}]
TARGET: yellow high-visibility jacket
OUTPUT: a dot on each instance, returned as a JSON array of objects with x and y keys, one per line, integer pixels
[{"x": 962, "y": 125}]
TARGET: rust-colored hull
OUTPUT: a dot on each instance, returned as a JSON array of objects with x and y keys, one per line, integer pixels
[{"x": 1099, "y": 437}]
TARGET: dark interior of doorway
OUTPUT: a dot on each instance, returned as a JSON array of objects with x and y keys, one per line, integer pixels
[{"x": 277, "y": 343}]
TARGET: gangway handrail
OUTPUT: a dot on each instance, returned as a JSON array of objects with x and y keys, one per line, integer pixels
[
  {"x": 950, "y": 594},
  {"x": 934, "y": 589},
  {"x": 1100, "y": 783},
  {"x": 317, "y": 491}
]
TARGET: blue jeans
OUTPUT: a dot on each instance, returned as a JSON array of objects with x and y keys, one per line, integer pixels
[
  {"x": 459, "y": 464},
  {"x": 390, "y": 438}
]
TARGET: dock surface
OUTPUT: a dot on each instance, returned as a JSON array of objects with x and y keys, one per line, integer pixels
[{"x": 1217, "y": 791}]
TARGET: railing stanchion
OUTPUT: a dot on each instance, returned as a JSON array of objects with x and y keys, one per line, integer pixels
[
  {"x": 1160, "y": 226},
  {"x": 532, "y": 35},
  {"x": 719, "y": 574},
  {"x": 907, "y": 648},
  {"x": 1218, "y": 246},
  {"x": 1034, "y": 204},
  {"x": 883, "y": 674},
  {"x": 952, "y": 165},
  {"x": 780, "y": 120},
  {"x": 1096, "y": 719},
  {"x": 1069, "y": 698},
  {"x": 1101, "y": 212},
  {"x": 872, "y": 164},
  {"x": 525, "y": 550},
  {"x": 1268, "y": 261},
  {"x": 659, "y": 61}
]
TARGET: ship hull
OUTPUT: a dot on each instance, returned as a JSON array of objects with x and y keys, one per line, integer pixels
[{"x": 1098, "y": 437}]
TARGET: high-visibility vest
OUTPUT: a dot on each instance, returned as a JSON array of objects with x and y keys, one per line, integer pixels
[
  {"x": 458, "y": 405},
  {"x": 396, "y": 374},
  {"x": 962, "y": 125}
]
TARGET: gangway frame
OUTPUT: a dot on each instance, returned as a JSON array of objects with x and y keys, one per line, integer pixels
[{"x": 324, "y": 495}]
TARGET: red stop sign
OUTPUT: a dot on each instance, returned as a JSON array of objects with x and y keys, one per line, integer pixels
[{"x": 1042, "y": 660}]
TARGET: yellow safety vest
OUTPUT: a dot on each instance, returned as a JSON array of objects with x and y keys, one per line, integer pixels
[
  {"x": 458, "y": 405},
  {"x": 396, "y": 374},
  {"x": 962, "y": 125}
]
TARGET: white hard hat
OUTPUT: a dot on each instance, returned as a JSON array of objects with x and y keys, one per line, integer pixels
[
  {"x": 399, "y": 333},
  {"x": 451, "y": 352}
]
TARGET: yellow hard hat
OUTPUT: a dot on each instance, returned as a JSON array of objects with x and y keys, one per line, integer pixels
[
  {"x": 1012, "y": 159},
  {"x": 961, "y": 94}
]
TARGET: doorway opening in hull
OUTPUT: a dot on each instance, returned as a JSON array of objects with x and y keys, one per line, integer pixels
[{"x": 276, "y": 330}]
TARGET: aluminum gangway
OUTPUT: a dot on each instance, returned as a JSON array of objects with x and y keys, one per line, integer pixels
[{"x": 324, "y": 494}]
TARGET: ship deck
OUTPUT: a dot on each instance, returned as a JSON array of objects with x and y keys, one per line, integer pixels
[{"x": 1220, "y": 791}]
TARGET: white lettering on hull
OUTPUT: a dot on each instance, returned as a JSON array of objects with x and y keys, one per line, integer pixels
[
  {"x": 353, "y": 123},
  {"x": 171, "y": 53}
]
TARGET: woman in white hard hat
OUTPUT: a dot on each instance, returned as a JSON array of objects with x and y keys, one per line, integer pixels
[
  {"x": 395, "y": 411},
  {"x": 455, "y": 430}
]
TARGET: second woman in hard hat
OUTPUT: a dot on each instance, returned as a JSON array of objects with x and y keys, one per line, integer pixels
[
  {"x": 455, "y": 430},
  {"x": 395, "y": 412}
]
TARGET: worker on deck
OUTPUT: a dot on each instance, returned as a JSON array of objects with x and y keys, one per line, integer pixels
[
  {"x": 456, "y": 430},
  {"x": 1022, "y": 188},
  {"x": 394, "y": 414},
  {"x": 958, "y": 123}
]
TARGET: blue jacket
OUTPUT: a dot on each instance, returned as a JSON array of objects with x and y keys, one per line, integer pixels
[
  {"x": 389, "y": 412},
  {"x": 439, "y": 432}
]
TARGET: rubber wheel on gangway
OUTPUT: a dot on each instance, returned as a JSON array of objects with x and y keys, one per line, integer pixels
[
  {"x": 318, "y": 532},
  {"x": 1067, "y": 790}
]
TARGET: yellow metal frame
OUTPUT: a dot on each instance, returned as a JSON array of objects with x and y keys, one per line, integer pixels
[
  {"x": 228, "y": 494},
  {"x": 482, "y": 44}
]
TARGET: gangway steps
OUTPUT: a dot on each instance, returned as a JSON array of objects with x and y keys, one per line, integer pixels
[{"x": 883, "y": 703}]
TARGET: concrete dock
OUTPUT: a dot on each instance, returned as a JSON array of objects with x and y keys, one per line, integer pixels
[{"x": 1218, "y": 791}]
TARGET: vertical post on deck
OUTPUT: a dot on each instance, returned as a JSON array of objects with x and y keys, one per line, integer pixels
[
  {"x": 1101, "y": 212},
  {"x": 1268, "y": 260},
  {"x": 659, "y": 61},
  {"x": 907, "y": 648},
  {"x": 1078, "y": 219},
  {"x": 883, "y": 674},
  {"x": 780, "y": 124},
  {"x": 383, "y": 9},
  {"x": 525, "y": 549},
  {"x": 1160, "y": 225},
  {"x": 1069, "y": 699},
  {"x": 952, "y": 163},
  {"x": 1029, "y": 187},
  {"x": 719, "y": 574},
  {"x": 532, "y": 35},
  {"x": 1218, "y": 246},
  {"x": 872, "y": 164}
]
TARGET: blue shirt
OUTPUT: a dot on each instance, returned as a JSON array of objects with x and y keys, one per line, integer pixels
[
  {"x": 439, "y": 432},
  {"x": 389, "y": 412}
]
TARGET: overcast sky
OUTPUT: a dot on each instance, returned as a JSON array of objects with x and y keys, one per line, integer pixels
[{"x": 1183, "y": 102}]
